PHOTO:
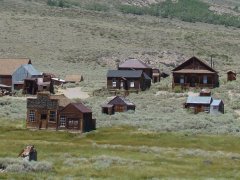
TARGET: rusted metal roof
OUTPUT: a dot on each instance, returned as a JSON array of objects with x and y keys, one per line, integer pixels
[
  {"x": 81, "y": 107},
  {"x": 9, "y": 66},
  {"x": 134, "y": 63}
]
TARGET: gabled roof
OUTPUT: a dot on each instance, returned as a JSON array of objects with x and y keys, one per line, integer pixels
[
  {"x": 216, "y": 102},
  {"x": 181, "y": 66},
  {"x": 120, "y": 100},
  {"x": 230, "y": 71},
  {"x": 31, "y": 70},
  {"x": 134, "y": 63},
  {"x": 125, "y": 73},
  {"x": 8, "y": 66},
  {"x": 199, "y": 100},
  {"x": 80, "y": 107}
]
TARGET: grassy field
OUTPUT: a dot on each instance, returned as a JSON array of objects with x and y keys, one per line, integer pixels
[
  {"x": 125, "y": 153},
  {"x": 161, "y": 139}
]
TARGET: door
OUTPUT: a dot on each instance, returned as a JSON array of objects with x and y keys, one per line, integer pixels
[
  {"x": 193, "y": 81},
  {"x": 73, "y": 123},
  {"x": 43, "y": 121}
]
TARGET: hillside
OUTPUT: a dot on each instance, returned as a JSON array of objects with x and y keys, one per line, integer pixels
[{"x": 90, "y": 37}]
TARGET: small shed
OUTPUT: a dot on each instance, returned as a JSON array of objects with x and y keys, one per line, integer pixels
[
  {"x": 73, "y": 78},
  {"x": 199, "y": 103},
  {"x": 156, "y": 76},
  {"x": 231, "y": 76},
  {"x": 217, "y": 106},
  {"x": 117, "y": 104}
]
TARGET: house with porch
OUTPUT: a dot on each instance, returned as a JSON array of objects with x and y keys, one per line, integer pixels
[{"x": 195, "y": 73}]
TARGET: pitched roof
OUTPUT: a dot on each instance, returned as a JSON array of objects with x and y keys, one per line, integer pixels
[
  {"x": 199, "y": 100},
  {"x": 31, "y": 70},
  {"x": 120, "y": 100},
  {"x": 181, "y": 66},
  {"x": 196, "y": 71},
  {"x": 73, "y": 78},
  {"x": 125, "y": 73},
  {"x": 134, "y": 63},
  {"x": 8, "y": 66},
  {"x": 216, "y": 102},
  {"x": 81, "y": 107}
]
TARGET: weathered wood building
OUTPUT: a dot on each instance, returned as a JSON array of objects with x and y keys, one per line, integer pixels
[
  {"x": 57, "y": 112},
  {"x": 231, "y": 76},
  {"x": 156, "y": 75},
  {"x": 135, "y": 64},
  {"x": 204, "y": 104},
  {"x": 26, "y": 71},
  {"x": 117, "y": 104},
  {"x": 8, "y": 67},
  {"x": 130, "y": 80},
  {"x": 195, "y": 73}
]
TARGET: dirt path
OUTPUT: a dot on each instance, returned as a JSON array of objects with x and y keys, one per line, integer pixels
[{"x": 73, "y": 93}]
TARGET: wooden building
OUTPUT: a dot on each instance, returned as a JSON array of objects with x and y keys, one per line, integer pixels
[
  {"x": 76, "y": 116},
  {"x": 29, "y": 153},
  {"x": 156, "y": 75},
  {"x": 135, "y": 64},
  {"x": 34, "y": 85},
  {"x": 195, "y": 73},
  {"x": 24, "y": 72},
  {"x": 130, "y": 80},
  {"x": 204, "y": 104},
  {"x": 8, "y": 67},
  {"x": 231, "y": 76},
  {"x": 58, "y": 113},
  {"x": 118, "y": 104}
]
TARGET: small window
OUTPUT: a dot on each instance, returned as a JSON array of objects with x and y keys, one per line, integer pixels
[
  {"x": 205, "y": 79},
  {"x": 182, "y": 80},
  {"x": 132, "y": 84},
  {"x": 32, "y": 116},
  {"x": 63, "y": 121},
  {"x": 114, "y": 83},
  {"x": 43, "y": 116},
  {"x": 52, "y": 116},
  {"x": 121, "y": 84}
]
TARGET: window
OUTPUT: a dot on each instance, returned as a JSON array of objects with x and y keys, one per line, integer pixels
[
  {"x": 132, "y": 84},
  {"x": 63, "y": 121},
  {"x": 43, "y": 116},
  {"x": 182, "y": 80},
  {"x": 52, "y": 116},
  {"x": 114, "y": 83},
  {"x": 32, "y": 116},
  {"x": 205, "y": 79},
  {"x": 121, "y": 84}
]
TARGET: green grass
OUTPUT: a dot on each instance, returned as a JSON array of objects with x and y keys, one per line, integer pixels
[{"x": 125, "y": 153}]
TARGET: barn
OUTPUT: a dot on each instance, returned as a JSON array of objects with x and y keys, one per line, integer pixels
[
  {"x": 8, "y": 67},
  {"x": 24, "y": 72}
]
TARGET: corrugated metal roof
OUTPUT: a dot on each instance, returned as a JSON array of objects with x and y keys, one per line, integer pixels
[
  {"x": 199, "y": 100},
  {"x": 216, "y": 102},
  {"x": 31, "y": 70},
  {"x": 134, "y": 63},
  {"x": 124, "y": 73}
]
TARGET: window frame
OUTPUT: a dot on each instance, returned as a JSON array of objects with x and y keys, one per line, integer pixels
[
  {"x": 32, "y": 116},
  {"x": 63, "y": 120},
  {"x": 132, "y": 84}
]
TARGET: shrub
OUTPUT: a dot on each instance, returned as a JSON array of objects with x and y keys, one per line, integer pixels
[{"x": 97, "y": 7}]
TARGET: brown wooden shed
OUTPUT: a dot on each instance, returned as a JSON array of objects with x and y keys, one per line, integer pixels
[
  {"x": 118, "y": 104},
  {"x": 231, "y": 76}
]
